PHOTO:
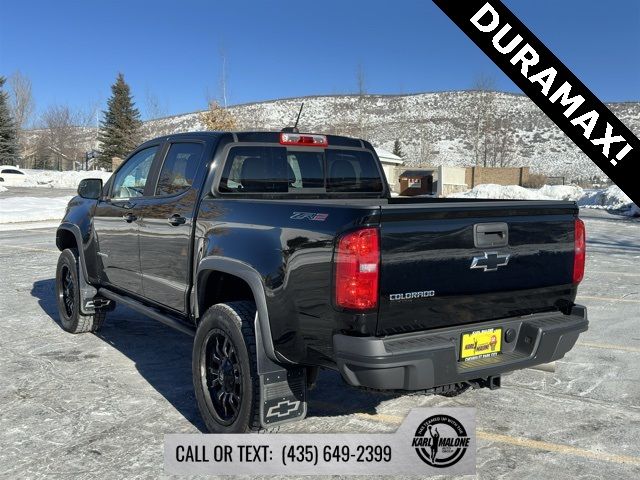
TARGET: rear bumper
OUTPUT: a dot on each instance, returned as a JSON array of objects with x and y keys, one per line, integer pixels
[{"x": 425, "y": 360}]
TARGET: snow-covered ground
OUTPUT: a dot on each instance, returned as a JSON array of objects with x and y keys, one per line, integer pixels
[
  {"x": 55, "y": 179},
  {"x": 32, "y": 209},
  {"x": 611, "y": 198},
  {"x": 25, "y": 207},
  {"x": 79, "y": 406}
]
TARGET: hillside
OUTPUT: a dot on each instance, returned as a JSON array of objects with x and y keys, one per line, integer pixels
[{"x": 433, "y": 128}]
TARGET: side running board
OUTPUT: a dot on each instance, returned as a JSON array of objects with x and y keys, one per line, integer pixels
[{"x": 149, "y": 311}]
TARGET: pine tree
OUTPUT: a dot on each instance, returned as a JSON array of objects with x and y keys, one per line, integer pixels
[
  {"x": 397, "y": 149},
  {"x": 8, "y": 131},
  {"x": 120, "y": 128}
]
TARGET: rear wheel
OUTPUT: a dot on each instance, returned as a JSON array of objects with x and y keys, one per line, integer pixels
[
  {"x": 68, "y": 296},
  {"x": 224, "y": 368}
]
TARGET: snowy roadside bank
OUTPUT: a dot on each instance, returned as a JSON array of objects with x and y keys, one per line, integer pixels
[
  {"x": 55, "y": 179},
  {"x": 612, "y": 199},
  {"x": 32, "y": 209},
  {"x": 22, "y": 209}
]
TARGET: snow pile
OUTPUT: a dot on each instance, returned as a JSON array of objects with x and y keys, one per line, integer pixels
[
  {"x": 32, "y": 209},
  {"x": 502, "y": 192},
  {"x": 55, "y": 179},
  {"x": 562, "y": 192},
  {"x": 610, "y": 199},
  {"x": 634, "y": 211},
  {"x": 2, "y": 189}
]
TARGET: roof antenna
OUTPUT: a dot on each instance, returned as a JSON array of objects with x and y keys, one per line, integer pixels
[{"x": 294, "y": 129}]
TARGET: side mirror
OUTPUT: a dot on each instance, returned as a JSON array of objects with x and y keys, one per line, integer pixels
[{"x": 90, "y": 188}]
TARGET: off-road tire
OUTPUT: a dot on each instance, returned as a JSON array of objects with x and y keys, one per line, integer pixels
[
  {"x": 71, "y": 319},
  {"x": 235, "y": 320}
]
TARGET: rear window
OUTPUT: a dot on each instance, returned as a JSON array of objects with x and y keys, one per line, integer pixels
[
  {"x": 179, "y": 168},
  {"x": 283, "y": 170}
]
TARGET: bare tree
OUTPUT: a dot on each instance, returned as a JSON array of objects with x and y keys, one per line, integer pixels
[
  {"x": 500, "y": 139},
  {"x": 223, "y": 76},
  {"x": 426, "y": 145},
  {"x": 218, "y": 118},
  {"x": 64, "y": 135},
  {"x": 361, "y": 80},
  {"x": 22, "y": 103},
  {"x": 154, "y": 109},
  {"x": 491, "y": 132},
  {"x": 362, "y": 92}
]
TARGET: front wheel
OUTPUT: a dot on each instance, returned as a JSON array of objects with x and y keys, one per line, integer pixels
[
  {"x": 68, "y": 296},
  {"x": 225, "y": 377}
]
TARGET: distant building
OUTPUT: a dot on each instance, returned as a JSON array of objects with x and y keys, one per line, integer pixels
[
  {"x": 390, "y": 163},
  {"x": 418, "y": 181},
  {"x": 439, "y": 181}
]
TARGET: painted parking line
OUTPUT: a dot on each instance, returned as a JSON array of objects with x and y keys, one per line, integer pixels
[
  {"x": 558, "y": 448},
  {"x": 609, "y": 299},
  {"x": 522, "y": 442},
  {"x": 609, "y": 346},
  {"x": 624, "y": 274},
  {"x": 31, "y": 249}
]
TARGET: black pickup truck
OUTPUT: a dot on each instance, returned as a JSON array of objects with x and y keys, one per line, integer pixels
[{"x": 284, "y": 253}]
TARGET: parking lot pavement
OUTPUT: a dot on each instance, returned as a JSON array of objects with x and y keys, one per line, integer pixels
[{"x": 92, "y": 406}]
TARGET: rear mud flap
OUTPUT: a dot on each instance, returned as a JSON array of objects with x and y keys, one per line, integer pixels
[
  {"x": 283, "y": 390},
  {"x": 283, "y": 397}
]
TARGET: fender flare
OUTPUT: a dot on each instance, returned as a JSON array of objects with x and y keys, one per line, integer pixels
[
  {"x": 75, "y": 230},
  {"x": 87, "y": 291},
  {"x": 254, "y": 280}
]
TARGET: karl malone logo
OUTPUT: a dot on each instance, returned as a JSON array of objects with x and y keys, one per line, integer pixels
[{"x": 440, "y": 441}]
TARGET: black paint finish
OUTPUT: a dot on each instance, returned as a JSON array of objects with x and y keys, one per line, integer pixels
[{"x": 426, "y": 245}]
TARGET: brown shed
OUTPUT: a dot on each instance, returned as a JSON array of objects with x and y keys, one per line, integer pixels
[{"x": 418, "y": 181}]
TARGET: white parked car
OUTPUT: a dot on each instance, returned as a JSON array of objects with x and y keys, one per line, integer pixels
[{"x": 11, "y": 176}]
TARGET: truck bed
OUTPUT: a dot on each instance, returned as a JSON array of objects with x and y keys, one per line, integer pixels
[{"x": 427, "y": 245}]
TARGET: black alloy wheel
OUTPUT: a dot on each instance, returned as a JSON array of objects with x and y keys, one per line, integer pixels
[
  {"x": 68, "y": 291},
  {"x": 222, "y": 376}
]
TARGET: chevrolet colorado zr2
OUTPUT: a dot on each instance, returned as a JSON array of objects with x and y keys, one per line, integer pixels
[{"x": 283, "y": 253}]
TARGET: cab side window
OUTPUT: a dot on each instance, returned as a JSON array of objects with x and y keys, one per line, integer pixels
[
  {"x": 179, "y": 168},
  {"x": 131, "y": 179}
]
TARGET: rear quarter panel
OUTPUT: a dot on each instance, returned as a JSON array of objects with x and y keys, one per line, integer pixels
[{"x": 294, "y": 259}]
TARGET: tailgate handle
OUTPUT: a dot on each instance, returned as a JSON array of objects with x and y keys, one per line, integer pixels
[{"x": 490, "y": 235}]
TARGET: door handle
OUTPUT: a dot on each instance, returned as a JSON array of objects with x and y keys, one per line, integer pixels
[
  {"x": 487, "y": 235},
  {"x": 129, "y": 217},
  {"x": 176, "y": 219},
  {"x": 122, "y": 204}
]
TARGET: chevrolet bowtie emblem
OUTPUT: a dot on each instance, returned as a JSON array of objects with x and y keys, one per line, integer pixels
[
  {"x": 490, "y": 261},
  {"x": 283, "y": 409}
]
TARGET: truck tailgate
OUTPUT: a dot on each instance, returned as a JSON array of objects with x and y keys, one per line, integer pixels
[{"x": 457, "y": 263}]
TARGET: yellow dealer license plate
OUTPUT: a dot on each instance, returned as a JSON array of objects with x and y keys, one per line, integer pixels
[{"x": 481, "y": 344}]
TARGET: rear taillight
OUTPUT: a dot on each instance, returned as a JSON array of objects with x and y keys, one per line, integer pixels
[
  {"x": 580, "y": 244},
  {"x": 303, "y": 139},
  {"x": 357, "y": 270}
]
